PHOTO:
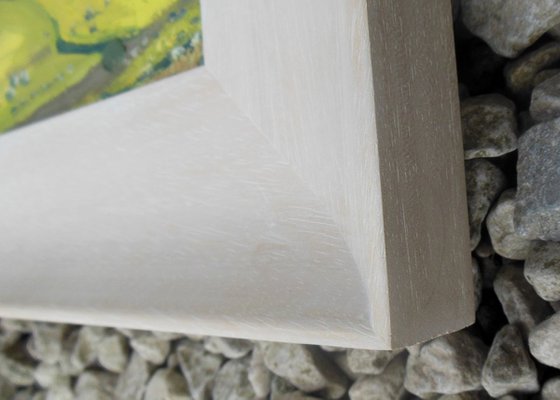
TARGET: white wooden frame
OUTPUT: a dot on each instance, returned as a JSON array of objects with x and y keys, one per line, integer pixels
[{"x": 305, "y": 185}]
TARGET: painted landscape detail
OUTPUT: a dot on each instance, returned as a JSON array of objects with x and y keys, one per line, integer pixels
[{"x": 56, "y": 55}]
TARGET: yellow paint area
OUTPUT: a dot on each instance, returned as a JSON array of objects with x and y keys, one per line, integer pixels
[
  {"x": 93, "y": 21},
  {"x": 167, "y": 43},
  {"x": 31, "y": 70},
  {"x": 58, "y": 54}
]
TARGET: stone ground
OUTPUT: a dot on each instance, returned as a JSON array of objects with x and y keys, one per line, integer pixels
[{"x": 509, "y": 69}]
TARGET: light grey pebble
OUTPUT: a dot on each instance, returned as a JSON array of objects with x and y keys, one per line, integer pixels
[
  {"x": 196, "y": 338},
  {"x": 371, "y": 362},
  {"x": 473, "y": 395},
  {"x": 60, "y": 391},
  {"x": 258, "y": 374},
  {"x": 232, "y": 382},
  {"x": 168, "y": 336},
  {"x": 306, "y": 368},
  {"x": 279, "y": 388},
  {"x": 544, "y": 75},
  {"x": 85, "y": 351},
  {"x": 66, "y": 365},
  {"x": 8, "y": 338},
  {"x": 387, "y": 385},
  {"x": 46, "y": 340},
  {"x": 477, "y": 282},
  {"x": 29, "y": 394},
  {"x": 542, "y": 270},
  {"x": 489, "y": 126},
  {"x": 166, "y": 384},
  {"x": 172, "y": 360},
  {"x": 545, "y": 100},
  {"x": 150, "y": 347},
  {"x": 509, "y": 27},
  {"x": 15, "y": 371},
  {"x": 47, "y": 375},
  {"x": 95, "y": 385},
  {"x": 199, "y": 368},
  {"x": 129, "y": 333},
  {"x": 544, "y": 341},
  {"x": 551, "y": 389},
  {"x": 7, "y": 389},
  {"x": 415, "y": 348},
  {"x": 520, "y": 302},
  {"x": 537, "y": 206},
  {"x": 520, "y": 73},
  {"x": 297, "y": 395},
  {"x": 340, "y": 359},
  {"x": 503, "y": 235},
  {"x": 230, "y": 348},
  {"x": 485, "y": 182},
  {"x": 509, "y": 367},
  {"x": 447, "y": 365},
  {"x": 332, "y": 349},
  {"x": 132, "y": 382},
  {"x": 112, "y": 352},
  {"x": 16, "y": 325}
]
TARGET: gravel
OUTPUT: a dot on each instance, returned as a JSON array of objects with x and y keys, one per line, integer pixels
[
  {"x": 112, "y": 352},
  {"x": 520, "y": 74},
  {"x": 537, "y": 208},
  {"x": 551, "y": 389},
  {"x": 369, "y": 361},
  {"x": 542, "y": 270},
  {"x": 544, "y": 341},
  {"x": 450, "y": 364},
  {"x": 508, "y": 54},
  {"x": 386, "y": 385},
  {"x": 150, "y": 347},
  {"x": 306, "y": 368},
  {"x": 520, "y": 302},
  {"x": 232, "y": 381},
  {"x": 485, "y": 182},
  {"x": 545, "y": 99},
  {"x": 509, "y": 27},
  {"x": 199, "y": 368},
  {"x": 230, "y": 348},
  {"x": 489, "y": 126},
  {"x": 505, "y": 239},
  {"x": 509, "y": 367},
  {"x": 166, "y": 384}
]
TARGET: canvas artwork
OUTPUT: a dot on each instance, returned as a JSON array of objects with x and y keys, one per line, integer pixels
[{"x": 56, "y": 56}]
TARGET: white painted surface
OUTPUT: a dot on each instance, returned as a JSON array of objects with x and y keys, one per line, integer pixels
[{"x": 258, "y": 196}]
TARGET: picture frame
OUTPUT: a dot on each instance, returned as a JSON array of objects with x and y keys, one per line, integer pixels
[{"x": 305, "y": 185}]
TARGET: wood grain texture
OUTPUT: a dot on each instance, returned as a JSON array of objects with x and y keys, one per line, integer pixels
[
  {"x": 421, "y": 168},
  {"x": 360, "y": 96},
  {"x": 183, "y": 220},
  {"x": 306, "y": 186},
  {"x": 303, "y": 75}
]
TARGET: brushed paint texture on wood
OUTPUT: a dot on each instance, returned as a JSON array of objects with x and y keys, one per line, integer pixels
[{"x": 306, "y": 185}]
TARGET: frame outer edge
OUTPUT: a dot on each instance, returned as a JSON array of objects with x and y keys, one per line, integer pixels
[{"x": 422, "y": 169}]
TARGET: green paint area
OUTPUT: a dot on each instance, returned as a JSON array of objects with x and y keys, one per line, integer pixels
[{"x": 56, "y": 55}]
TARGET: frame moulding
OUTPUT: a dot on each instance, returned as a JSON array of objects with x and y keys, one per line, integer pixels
[{"x": 306, "y": 185}]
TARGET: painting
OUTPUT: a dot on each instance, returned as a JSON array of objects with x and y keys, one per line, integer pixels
[{"x": 56, "y": 56}]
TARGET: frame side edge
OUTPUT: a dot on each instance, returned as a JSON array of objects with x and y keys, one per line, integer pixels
[{"x": 422, "y": 170}]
